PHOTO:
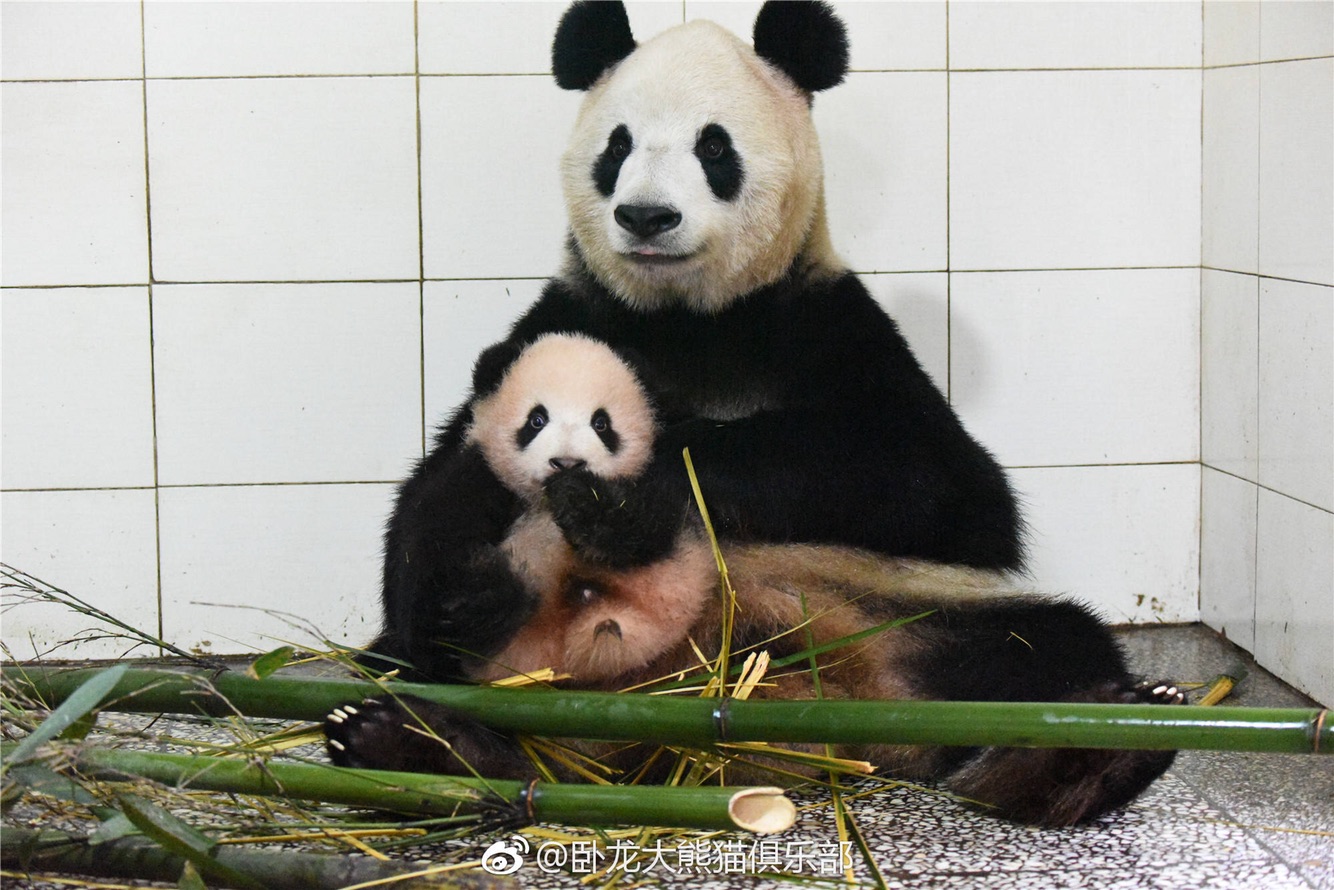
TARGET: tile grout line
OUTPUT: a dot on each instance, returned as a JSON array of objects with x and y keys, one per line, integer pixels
[
  {"x": 1259, "y": 172},
  {"x": 949, "y": 228},
  {"x": 421, "y": 228},
  {"x": 1199, "y": 340}
]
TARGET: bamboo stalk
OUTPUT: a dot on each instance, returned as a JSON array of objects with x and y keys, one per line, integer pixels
[
  {"x": 762, "y": 809},
  {"x": 142, "y": 859},
  {"x": 704, "y": 721}
]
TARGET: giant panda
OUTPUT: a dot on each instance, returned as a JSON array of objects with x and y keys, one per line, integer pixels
[
  {"x": 698, "y": 242},
  {"x": 571, "y": 404}
]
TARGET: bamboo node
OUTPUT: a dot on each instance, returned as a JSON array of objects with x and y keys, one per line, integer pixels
[
  {"x": 528, "y": 800},
  {"x": 1319, "y": 729},
  {"x": 721, "y": 713}
]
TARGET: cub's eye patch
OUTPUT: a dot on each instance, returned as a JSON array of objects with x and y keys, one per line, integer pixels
[
  {"x": 534, "y": 424},
  {"x": 608, "y": 165},
  {"x": 601, "y": 424}
]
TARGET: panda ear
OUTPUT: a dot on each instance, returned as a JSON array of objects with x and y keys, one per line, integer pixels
[
  {"x": 592, "y": 36},
  {"x": 805, "y": 40},
  {"x": 491, "y": 365}
]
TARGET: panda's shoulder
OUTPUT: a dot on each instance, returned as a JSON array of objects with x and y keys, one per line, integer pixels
[{"x": 839, "y": 304}]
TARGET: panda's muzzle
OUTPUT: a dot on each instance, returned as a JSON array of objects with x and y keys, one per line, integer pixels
[{"x": 646, "y": 220}]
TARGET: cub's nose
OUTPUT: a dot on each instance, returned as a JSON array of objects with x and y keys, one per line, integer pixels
[
  {"x": 560, "y": 464},
  {"x": 646, "y": 220}
]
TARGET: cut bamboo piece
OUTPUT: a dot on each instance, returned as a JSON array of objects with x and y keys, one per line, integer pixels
[
  {"x": 762, "y": 810},
  {"x": 705, "y": 721}
]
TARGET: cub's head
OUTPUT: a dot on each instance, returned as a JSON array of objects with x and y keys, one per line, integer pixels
[
  {"x": 564, "y": 402},
  {"x": 693, "y": 175}
]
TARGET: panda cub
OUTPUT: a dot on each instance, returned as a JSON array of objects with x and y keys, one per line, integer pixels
[{"x": 570, "y": 404}]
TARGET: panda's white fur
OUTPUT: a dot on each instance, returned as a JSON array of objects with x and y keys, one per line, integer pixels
[{"x": 665, "y": 93}]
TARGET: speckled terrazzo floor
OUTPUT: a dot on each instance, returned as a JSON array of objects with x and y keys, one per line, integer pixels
[{"x": 1215, "y": 820}]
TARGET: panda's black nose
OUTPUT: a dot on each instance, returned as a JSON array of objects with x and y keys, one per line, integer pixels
[
  {"x": 561, "y": 464},
  {"x": 646, "y": 220}
]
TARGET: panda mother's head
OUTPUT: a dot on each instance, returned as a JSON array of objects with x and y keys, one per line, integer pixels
[{"x": 693, "y": 175}]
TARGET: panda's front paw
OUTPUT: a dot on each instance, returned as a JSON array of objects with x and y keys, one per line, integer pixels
[
  {"x": 594, "y": 515},
  {"x": 1155, "y": 692},
  {"x": 409, "y": 734}
]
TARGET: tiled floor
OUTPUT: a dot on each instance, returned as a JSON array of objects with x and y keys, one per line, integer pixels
[{"x": 1216, "y": 821}]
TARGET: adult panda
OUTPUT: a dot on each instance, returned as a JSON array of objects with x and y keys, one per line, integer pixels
[{"x": 698, "y": 242}]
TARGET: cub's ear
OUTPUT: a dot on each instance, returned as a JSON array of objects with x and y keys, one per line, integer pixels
[
  {"x": 491, "y": 365},
  {"x": 805, "y": 40},
  {"x": 593, "y": 35}
]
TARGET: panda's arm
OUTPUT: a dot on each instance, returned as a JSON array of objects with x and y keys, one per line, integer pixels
[{"x": 448, "y": 590}]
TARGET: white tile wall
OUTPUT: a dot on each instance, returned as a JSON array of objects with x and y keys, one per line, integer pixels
[
  {"x": 225, "y": 39},
  {"x": 1294, "y": 586},
  {"x": 283, "y": 179},
  {"x": 1296, "y": 403},
  {"x": 100, "y": 546},
  {"x": 1074, "y": 35},
  {"x": 77, "y": 389},
  {"x": 1227, "y": 556},
  {"x": 1074, "y": 169},
  {"x": 73, "y": 183},
  {"x": 1296, "y": 175},
  {"x": 308, "y": 554},
  {"x": 286, "y": 382},
  {"x": 1295, "y": 29},
  {"x": 902, "y": 167},
  {"x": 1229, "y": 368},
  {"x": 476, "y": 224},
  {"x": 459, "y": 320},
  {"x": 1125, "y": 539},
  {"x": 349, "y": 200},
  {"x": 1231, "y": 160},
  {"x": 70, "y": 41},
  {"x": 1231, "y": 32},
  {"x": 1078, "y": 367},
  {"x": 1268, "y": 337}
]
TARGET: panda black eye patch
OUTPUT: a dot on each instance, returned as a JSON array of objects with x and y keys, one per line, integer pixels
[
  {"x": 534, "y": 424},
  {"x": 721, "y": 163},
  {"x": 601, "y": 424},
  {"x": 608, "y": 165}
]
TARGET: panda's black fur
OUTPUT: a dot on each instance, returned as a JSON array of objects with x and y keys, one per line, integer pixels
[{"x": 808, "y": 418}]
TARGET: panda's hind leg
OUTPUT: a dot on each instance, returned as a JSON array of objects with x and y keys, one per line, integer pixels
[{"x": 1065, "y": 786}]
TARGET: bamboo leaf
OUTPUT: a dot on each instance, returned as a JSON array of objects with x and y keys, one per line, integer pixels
[
  {"x": 113, "y": 829},
  {"x": 269, "y": 662},
  {"x": 43, "y": 780},
  {"x": 180, "y": 838},
  {"x": 71, "y": 710},
  {"x": 191, "y": 879}
]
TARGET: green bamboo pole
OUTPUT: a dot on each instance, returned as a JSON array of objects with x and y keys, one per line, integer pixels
[
  {"x": 26, "y": 849},
  {"x": 703, "y": 721},
  {"x": 763, "y": 810}
]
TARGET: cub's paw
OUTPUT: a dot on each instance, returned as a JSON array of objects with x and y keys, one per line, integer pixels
[
  {"x": 591, "y": 512},
  {"x": 1155, "y": 692}
]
